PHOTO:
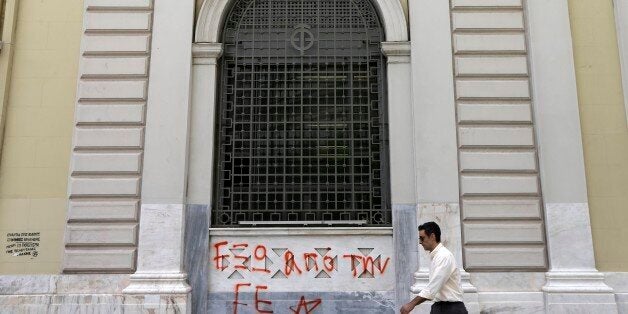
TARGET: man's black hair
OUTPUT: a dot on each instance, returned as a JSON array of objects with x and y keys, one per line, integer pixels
[{"x": 431, "y": 228}]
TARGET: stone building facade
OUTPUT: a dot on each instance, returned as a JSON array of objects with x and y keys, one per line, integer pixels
[{"x": 502, "y": 120}]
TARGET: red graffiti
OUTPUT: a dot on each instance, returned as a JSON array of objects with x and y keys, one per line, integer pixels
[
  {"x": 307, "y": 306},
  {"x": 290, "y": 264},
  {"x": 219, "y": 257},
  {"x": 235, "y": 300},
  {"x": 328, "y": 263},
  {"x": 368, "y": 264},
  {"x": 307, "y": 257},
  {"x": 265, "y": 306},
  {"x": 258, "y": 301},
  {"x": 382, "y": 268},
  {"x": 354, "y": 259},
  {"x": 260, "y": 257},
  {"x": 243, "y": 258}
]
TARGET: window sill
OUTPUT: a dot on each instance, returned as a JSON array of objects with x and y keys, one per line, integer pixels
[{"x": 335, "y": 231}]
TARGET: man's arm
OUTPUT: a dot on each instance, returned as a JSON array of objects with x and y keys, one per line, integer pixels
[
  {"x": 442, "y": 270},
  {"x": 408, "y": 307}
]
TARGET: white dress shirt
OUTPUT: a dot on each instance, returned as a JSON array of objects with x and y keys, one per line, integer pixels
[{"x": 444, "y": 282}]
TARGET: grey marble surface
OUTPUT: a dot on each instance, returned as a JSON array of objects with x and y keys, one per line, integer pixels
[
  {"x": 95, "y": 303},
  {"x": 375, "y": 302},
  {"x": 405, "y": 238},
  {"x": 197, "y": 253},
  {"x": 508, "y": 281},
  {"x": 504, "y": 292},
  {"x": 569, "y": 237},
  {"x": 63, "y": 284}
]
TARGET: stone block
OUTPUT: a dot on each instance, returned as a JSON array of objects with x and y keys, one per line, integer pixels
[
  {"x": 495, "y": 43},
  {"x": 118, "y": 4},
  {"x": 103, "y": 210},
  {"x": 134, "y": 21},
  {"x": 498, "y": 184},
  {"x": 485, "y": 3},
  {"x": 81, "y": 186},
  {"x": 498, "y": 160},
  {"x": 119, "y": 89},
  {"x": 477, "y": 88},
  {"x": 503, "y": 232},
  {"x": 494, "y": 112},
  {"x": 101, "y": 234},
  {"x": 488, "y": 20},
  {"x": 116, "y": 112},
  {"x": 89, "y": 162},
  {"x": 519, "y": 257},
  {"x": 490, "y": 208},
  {"x": 112, "y": 66},
  {"x": 130, "y": 137},
  {"x": 499, "y": 65},
  {"x": 122, "y": 259},
  {"x": 112, "y": 44},
  {"x": 496, "y": 136}
]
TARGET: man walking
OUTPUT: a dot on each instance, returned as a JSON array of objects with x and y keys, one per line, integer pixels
[{"x": 444, "y": 285}]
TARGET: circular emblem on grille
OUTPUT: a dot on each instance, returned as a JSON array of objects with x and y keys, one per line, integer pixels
[{"x": 302, "y": 39}]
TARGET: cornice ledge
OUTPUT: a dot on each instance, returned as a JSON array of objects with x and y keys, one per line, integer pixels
[
  {"x": 207, "y": 50},
  {"x": 396, "y": 48}
]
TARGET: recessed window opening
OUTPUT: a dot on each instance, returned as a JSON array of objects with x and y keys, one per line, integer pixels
[{"x": 302, "y": 116}]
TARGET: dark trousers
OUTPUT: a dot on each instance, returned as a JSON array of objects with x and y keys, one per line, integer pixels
[{"x": 448, "y": 308}]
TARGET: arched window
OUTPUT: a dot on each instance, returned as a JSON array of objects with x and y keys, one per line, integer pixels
[{"x": 302, "y": 116}]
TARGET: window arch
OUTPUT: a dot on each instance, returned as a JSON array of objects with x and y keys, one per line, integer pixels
[{"x": 302, "y": 115}]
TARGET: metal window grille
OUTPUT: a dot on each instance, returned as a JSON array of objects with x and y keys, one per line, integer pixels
[{"x": 302, "y": 125}]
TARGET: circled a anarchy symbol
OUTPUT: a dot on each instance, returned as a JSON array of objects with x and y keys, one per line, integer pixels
[{"x": 302, "y": 39}]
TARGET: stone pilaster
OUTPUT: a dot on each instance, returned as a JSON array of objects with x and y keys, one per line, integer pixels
[
  {"x": 573, "y": 283},
  {"x": 435, "y": 137},
  {"x": 162, "y": 219}
]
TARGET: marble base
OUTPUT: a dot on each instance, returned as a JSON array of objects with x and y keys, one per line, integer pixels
[
  {"x": 619, "y": 283},
  {"x": 373, "y": 302},
  {"x": 578, "y": 292},
  {"x": 158, "y": 283},
  {"x": 511, "y": 302},
  {"x": 81, "y": 303},
  {"x": 160, "y": 253},
  {"x": 93, "y": 293},
  {"x": 499, "y": 292}
]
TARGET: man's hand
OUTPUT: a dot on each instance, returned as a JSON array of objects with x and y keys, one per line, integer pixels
[{"x": 407, "y": 308}]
